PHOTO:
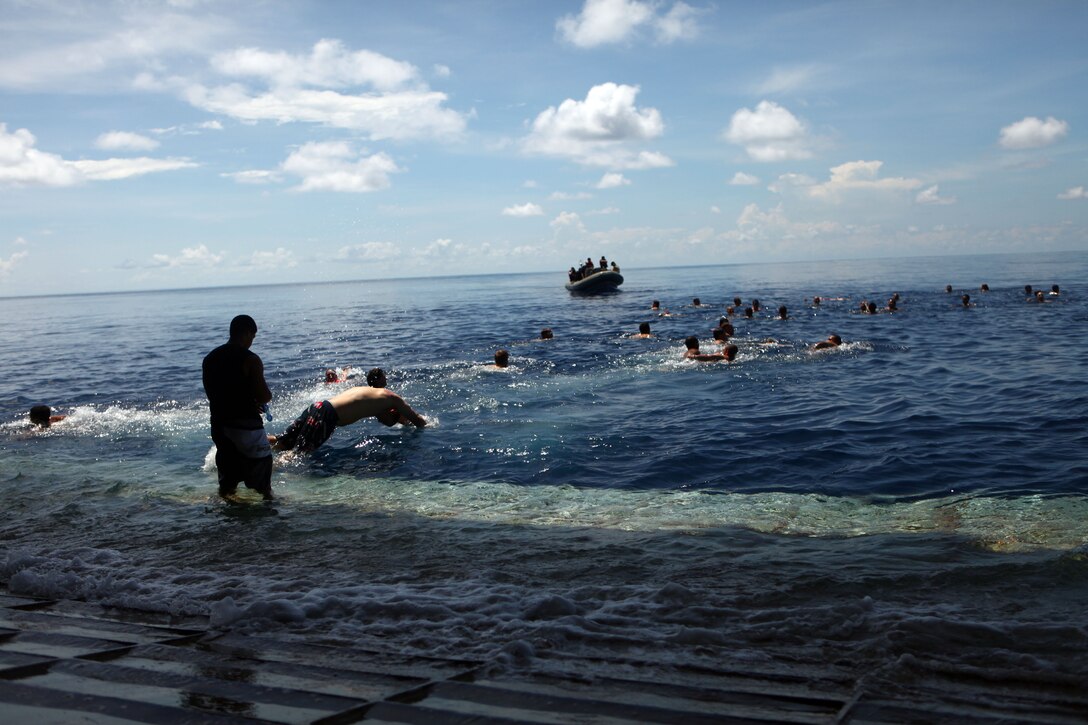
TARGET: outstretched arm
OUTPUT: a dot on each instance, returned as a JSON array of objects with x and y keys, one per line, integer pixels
[{"x": 407, "y": 415}]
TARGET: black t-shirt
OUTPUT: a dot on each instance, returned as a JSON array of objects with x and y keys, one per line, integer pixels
[{"x": 229, "y": 389}]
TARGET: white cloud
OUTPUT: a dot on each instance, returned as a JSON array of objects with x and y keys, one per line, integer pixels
[
  {"x": 613, "y": 180},
  {"x": 9, "y": 264},
  {"x": 715, "y": 210},
  {"x": 254, "y": 176},
  {"x": 769, "y": 133},
  {"x": 335, "y": 166},
  {"x": 1032, "y": 132},
  {"x": 526, "y": 209},
  {"x": 599, "y": 130},
  {"x": 932, "y": 195},
  {"x": 603, "y": 22},
  {"x": 199, "y": 256},
  {"x": 859, "y": 176},
  {"x": 368, "y": 252},
  {"x": 278, "y": 258},
  {"x": 567, "y": 219},
  {"x": 790, "y": 79},
  {"x": 742, "y": 179},
  {"x": 442, "y": 71},
  {"x": 21, "y": 163},
  {"x": 1076, "y": 192},
  {"x": 567, "y": 196},
  {"x": 116, "y": 169},
  {"x": 395, "y": 104},
  {"x": 125, "y": 141},
  {"x": 754, "y": 223},
  {"x": 785, "y": 182},
  {"x": 211, "y": 126},
  {"x": 603, "y": 210}
]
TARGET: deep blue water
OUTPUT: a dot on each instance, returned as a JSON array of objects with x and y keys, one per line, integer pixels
[{"x": 878, "y": 480}]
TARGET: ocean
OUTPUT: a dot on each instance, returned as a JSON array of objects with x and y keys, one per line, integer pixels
[{"x": 913, "y": 501}]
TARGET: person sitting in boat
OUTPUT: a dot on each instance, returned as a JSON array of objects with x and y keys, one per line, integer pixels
[
  {"x": 604, "y": 263},
  {"x": 574, "y": 275},
  {"x": 615, "y": 267},
  {"x": 692, "y": 351}
]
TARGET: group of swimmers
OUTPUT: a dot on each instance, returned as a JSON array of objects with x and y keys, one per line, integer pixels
[{"x": 588, "y": 268}]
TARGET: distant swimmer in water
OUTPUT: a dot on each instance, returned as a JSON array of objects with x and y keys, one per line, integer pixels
[
  {"x": 870, "y": 307},
  {"x": 984, "y": 288},
  {"x": 755, "y": 305},
  {"x": 893, "y": 305},
  {"x": 546, "y": 333},
  {"x": 502, "y": 359},
  {"x": 719, "y": 336},
  {"x": 333, "y": 375},
  {"x": 1039, "y": 296},
  {"x": 816, "y": 301},
  {"x": 966, "y": 300},
  {"x": 831, "y": 341},
  {"x": 737, "y": 302},
  {"x": 318, "y": 422},
  {"x": 655, "y": 306},
  {"x": 696, "y": 302},
  {"x": 1027, "y": 290},
  {"x": 948, "y": 288},
  {"x": 783, "y": 313},
  {"x": 1055, "y": 290},
  {"x": 692, "y": 351},
  {"x": 375, "y": 378},
  {"x": 727, "y": 326},
  {"x": 42, "y": 416},
  {"x": 643, "y": 331},
  {"x": 748, "y": 312},
  {"x": 729, "y": 352}
]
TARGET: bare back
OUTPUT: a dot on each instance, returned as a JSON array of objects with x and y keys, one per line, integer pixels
[{"x": 365, "y": 402}]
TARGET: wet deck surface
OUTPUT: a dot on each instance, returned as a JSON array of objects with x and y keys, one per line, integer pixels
[{"x": 64, "y": 661}]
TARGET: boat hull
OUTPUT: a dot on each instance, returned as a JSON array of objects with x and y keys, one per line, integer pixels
[{"x": 597, "y": 283}]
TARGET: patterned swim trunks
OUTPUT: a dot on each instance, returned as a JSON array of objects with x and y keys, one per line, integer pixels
[{"x": 310, "y": 429}]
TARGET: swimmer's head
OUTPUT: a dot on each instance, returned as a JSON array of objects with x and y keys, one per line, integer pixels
[
  {"x": 730, "y": 352},
  {"x": 691, "y": 343},
  {"x": 39, "y": 415},
  {"x": 783, "y": 313},
  {"x": 502, "y": 358},
  {"x": 834, "y": 339},
  {"x": 656, "y": 305},
  {"x": 644, "y": 328},
  {"x": 546, "y": 333},
  {"x": 241, "y": 326},
  {"x": 331, "y": 376},
  {"x": 737, "y": 302},
  {"x": 375, "y": 378},
  {"x": 695, "y": 302}
]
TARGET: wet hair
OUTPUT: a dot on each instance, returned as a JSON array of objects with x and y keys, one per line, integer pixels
[
  {"x": 730, "y": 351},
  {"x": 985, "y": 287},
  {"x": 755, "y": 305},
  {"x": 546, "y": 333},
  {"x": 696, "y": 302},
  {"x": 966, "y": 299},
  {"x": 502, "y": 358},
  {"x": 691, "y": 343},
  {"x": 644, "y": 328},
  {"x": 737, "y": 302},
  {"x": 747, "y": 311},
  {"x": 39, "y": 414},
  {"x": 948, "y": 288},
  {"x": 1027, "y": 289},
  {"x": 331, "y": 376},
  {"x": 242, "y": 325},
  {"x": 655, "y": 304},
  {"x": 719, "y": 333},
  {"x": 782, "y": 312},
  {"x": 835, "y": 339},
  {"x": 1055, "y": 289},
  {"x": 871, "y": 308},
  {"x": 375, "y": 378}
]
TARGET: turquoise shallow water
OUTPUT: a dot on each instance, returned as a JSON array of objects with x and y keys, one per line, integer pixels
[{"x": 921, "y": 488}]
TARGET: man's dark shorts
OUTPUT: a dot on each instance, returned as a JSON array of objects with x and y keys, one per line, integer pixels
[
  {"x": 233, "y": 466},
  {"x": 310, "y": 429}
]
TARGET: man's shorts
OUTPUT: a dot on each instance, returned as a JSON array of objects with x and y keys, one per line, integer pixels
[
  {"x": 234, "y": 465},
  {"x": 310, "y": 429}
]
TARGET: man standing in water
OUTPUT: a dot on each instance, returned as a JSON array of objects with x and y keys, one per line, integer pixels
[
  {"x": 318, "y": 422},
  {"x": 236, "y": 389}
]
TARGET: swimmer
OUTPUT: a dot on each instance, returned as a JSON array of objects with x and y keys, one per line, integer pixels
[
  {"x": 831, "y": 341},
  {"x": 375, "y": 378},
  {"x": 816, "y": 301},
  {"x": 692, "y": 351},
  {"x": 871, "y": 308},
  {"x": 755, "y": 305},
  {"x": 316, "y": 424},
  {"x": 730, "y": 311},
  {"x": 948, "y": 288},
  {"x": 892, "y": 304},
  {"x": 737, "y": 302},
  {"x": 546, "y": 333},
  {"x": 783, "y": 313},
  {"x": 727, "y": 327},
  {"x": 984, "y": 288},
  {"x": 42, "y": 416},
  {"x": 1039, "y": 296},
  {"x": 1027, "y": 290},
  {"x": 655, "y": 306},
  {"x": 502, "y": 359},
  {"x": 966, "y": 300},
  {"x": 334, "y": 376},
  {"x": 719, "y": 336},
  {"x": 748, "y": 312},
  {"x": 643, "y": 331},
  {"x": 1055, "y": 290},
  {"x": 729, "y": 352}
]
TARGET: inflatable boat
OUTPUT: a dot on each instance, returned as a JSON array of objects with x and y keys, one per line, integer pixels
[{"x": 603, "y": 281}]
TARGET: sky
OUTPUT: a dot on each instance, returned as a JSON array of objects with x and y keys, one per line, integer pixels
[{"x": 199, "y": 143}]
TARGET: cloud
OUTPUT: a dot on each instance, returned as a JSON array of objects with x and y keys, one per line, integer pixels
[
  {"x": 278, "y": 258},
  {"x": 395, "y": 105},
  {"x": 125, "y": 141},
  {"x": 442, "y": 71},
  {"x": 567, "y": 220},
  {"x": 604, "y": 22},
  {"x": 785, "y": 182},
  {"x": 254, "y": 176},
  {"x": 116, "y": 169},
  {"x": 335, "y": 166},
  {"x": 742, "y": 179},
  {"x": 9, "y": 264},
  {"x": 612, "y": 180},
  {"x": 789, "y": 80},
  {"x": 603, "y": 210},
  {"x": 1032, "y": 132},
  {"x": 1076, "y": 192},
  {"x": 859, "y": 176},
  {"x": 368, "y": 252},
  {"x": 21, "y": 163},
  {"x": 599, "y": 130},
  {"x": 526, "y": 209},
  {"x": 199, "y": 256},
  {"x": 932, "y": 196},
  {"x": 769, "y": 133},
  {"x": 567, "y": 196}
]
